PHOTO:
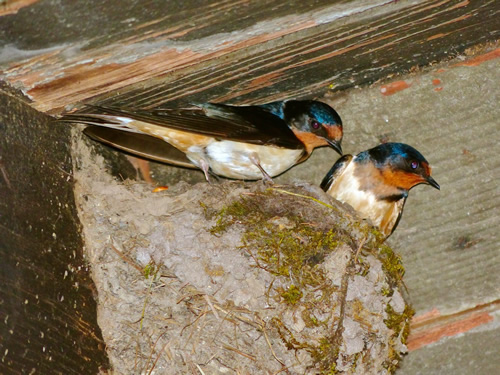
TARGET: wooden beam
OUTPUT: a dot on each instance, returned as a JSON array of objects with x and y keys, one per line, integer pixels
[
  {"x": 47, "y": 307},
  {"x": 241, "y": 51}
]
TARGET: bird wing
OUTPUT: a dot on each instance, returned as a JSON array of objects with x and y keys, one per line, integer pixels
[
  {"x": 249, "y": 124},
  {"x": 337, "y": 169},
  {"x": 399, "y": 207},
  {"x": 140, "y": 144}
]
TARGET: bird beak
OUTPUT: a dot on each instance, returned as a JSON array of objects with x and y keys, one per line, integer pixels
[
  {"x": 335, "y": 145},
  {"x": 433, "y": 182}
]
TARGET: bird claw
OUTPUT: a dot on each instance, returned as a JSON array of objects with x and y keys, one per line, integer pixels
[
  {"x": 215, "y": 180},
  {"x": 205, "y": 167},
  {"x": 267, "y": 180}
]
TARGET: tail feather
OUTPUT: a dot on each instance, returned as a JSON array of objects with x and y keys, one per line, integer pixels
[{"x": 107, "y": 121}]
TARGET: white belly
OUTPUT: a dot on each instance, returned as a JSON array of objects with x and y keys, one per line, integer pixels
[
  {"x": 237, "y": 160},
  {"x": 369, "y": 208}
]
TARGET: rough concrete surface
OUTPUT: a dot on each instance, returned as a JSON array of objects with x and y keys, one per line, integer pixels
[
  {"x": 449, "y": 239},
  {"x": 441, "y": 272},
  {"x": 185, "y": 283}
]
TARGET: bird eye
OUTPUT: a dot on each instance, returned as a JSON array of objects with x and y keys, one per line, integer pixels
[
  {"x": 315, "y": 124},
  {"x": 414, "y": 164}
]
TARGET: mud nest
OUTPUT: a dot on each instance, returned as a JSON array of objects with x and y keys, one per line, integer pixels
[{"x": 237, "y": 278}]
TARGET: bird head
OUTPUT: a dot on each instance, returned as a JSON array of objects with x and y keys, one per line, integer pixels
[
  {"x": 314, "y": 123},
  {"x": 402, "y": 166}
]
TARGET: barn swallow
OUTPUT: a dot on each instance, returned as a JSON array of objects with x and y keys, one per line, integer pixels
[
  {"x": 376, "y": 182},
  {"x": 239, "y": 142}
]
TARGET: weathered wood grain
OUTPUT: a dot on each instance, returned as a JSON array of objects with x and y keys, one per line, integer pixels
[
  {"x": 247, "y": 51},
  {"x": 434, "y": 327},
  {"x": 47, "y": 308},
  {"x": 12, "y": 6}
]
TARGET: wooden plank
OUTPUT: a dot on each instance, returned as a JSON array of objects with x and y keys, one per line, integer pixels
[
  {"x": 433, "y": 327},
  {"x": 47, "y": 308},
  {"x": 104, "y": 54},
  {"x": 163, "y": 60},
  {"x": 12, "y": 6}
]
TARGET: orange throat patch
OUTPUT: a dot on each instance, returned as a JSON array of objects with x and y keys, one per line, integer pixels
[
  {"x": 310, "y": 140},
  {"x": 401, "y": 179},
  {"x": 334, "y": 132}
]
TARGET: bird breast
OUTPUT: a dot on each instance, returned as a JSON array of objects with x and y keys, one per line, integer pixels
[
  {"x": 347, "y": 189},
  {"x": 238, "y": 160}
]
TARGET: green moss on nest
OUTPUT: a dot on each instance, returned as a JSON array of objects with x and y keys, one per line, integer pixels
[
  {"x": 286, "y": 245},
  {"x": 400, "y": 324},
  {"x": 392, "y": 264},
  {"x": 391, "y": 261},
  {"x": 230, "y": 214},
  {"x": 291, "y": 250},
  {"x": 287, "y": 336},
  {"x": 292, "y": 295},
  {"x": 326, "y": 354}
]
